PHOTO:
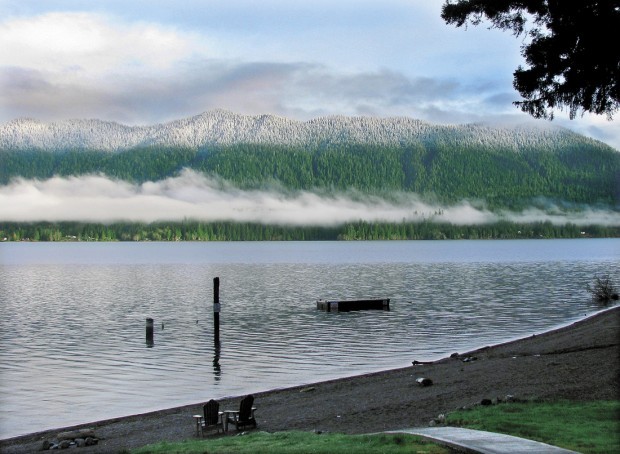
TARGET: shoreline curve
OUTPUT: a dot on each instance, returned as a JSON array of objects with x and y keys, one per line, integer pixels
[{"x": 577, "y": 361}]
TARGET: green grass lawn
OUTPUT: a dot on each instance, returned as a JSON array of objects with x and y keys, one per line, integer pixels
[
  {"x": 587, "y": 427},
  {"x": 298, "y": 443}
]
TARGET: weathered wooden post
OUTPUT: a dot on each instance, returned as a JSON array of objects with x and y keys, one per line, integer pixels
[
  {"x": 216, "y": 309},
  {"x": 149, "y": 332}
]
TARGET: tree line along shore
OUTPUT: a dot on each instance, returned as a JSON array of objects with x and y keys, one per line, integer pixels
[{"x": 234, "y": 231}]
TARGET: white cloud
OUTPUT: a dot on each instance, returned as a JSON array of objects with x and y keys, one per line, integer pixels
[
  {"x": 88, "y": 44},
  {"x": 587, "y": 216},
  {"x": 298, "y": 90},
  {"x": 192, "y": 195}
]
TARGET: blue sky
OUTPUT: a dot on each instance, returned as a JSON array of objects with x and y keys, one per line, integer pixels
[{"x": 148, "y": 61}]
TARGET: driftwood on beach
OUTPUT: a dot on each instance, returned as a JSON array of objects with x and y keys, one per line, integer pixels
[{"x": 577, "y": 362}]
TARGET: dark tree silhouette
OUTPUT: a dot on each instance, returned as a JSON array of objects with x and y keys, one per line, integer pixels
[{"x": 571, "y": 48}]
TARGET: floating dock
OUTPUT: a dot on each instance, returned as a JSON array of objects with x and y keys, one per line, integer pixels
[{"x": 353, "y": 305}]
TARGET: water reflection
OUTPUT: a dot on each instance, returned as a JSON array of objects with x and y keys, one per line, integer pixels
[
  {"x": 439, "y": 305},
  {"x": 217, "y": 369},
  {"x": 150, "y": 338}
]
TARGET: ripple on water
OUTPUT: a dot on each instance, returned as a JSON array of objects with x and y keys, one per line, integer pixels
[{"x": 72, "y": 331}]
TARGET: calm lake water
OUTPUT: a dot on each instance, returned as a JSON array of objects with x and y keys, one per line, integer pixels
[{"x": 72, "y": 320}]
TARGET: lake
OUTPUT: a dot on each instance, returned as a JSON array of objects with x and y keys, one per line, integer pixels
[{"x": 72, "y": 321}]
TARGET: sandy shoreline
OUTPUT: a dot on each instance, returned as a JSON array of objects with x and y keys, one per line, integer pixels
[{"x": 578, "y": 361}]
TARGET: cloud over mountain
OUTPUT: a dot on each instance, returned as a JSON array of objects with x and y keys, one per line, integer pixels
[{"x": 193, "y": 196}]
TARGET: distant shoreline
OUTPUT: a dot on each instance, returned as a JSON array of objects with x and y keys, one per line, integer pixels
[
  {"x": 578, "y": 361},
  {"x": 235, "y": 231}
]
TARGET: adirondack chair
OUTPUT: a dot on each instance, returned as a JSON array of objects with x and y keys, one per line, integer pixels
[
  {"x": 245, "y": 416},
  {"x": 212, "y": 418}
]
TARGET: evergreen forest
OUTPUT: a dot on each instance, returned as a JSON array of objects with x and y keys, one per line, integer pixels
[
  {"x": 574, "y": 176},
  {"x": 438, "y": 171},
  {"x": 239, "y": 231}
]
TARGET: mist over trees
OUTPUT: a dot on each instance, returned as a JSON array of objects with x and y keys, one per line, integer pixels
[
  {"x": 574, "y": 173},
  {"x": 518, "y": 174}
]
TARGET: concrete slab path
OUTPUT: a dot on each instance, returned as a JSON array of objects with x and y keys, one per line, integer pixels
[{"x": 478, "y": 441}]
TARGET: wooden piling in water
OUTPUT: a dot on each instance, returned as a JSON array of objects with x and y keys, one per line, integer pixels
[
  {"x": 216, "y": 309},
  {"x": 149, "y": 332}
]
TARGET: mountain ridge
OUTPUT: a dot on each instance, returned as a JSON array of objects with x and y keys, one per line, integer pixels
[{"x": 221, "y": 127}]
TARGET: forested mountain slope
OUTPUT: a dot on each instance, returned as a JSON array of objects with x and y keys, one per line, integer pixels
[
  {"x": 220, "y": 127},
  {"x": 502, "y": 167}
]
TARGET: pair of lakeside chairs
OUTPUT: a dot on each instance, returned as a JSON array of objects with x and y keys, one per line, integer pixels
[{"x": 212, "y": 418}]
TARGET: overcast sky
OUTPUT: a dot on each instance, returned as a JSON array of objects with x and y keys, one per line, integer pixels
[{"x": 150, "y": 61}]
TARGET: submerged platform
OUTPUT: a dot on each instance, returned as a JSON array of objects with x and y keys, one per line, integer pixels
[{"x": 353, "y": 305}]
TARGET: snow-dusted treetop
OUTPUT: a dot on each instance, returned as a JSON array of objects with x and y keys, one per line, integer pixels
[{"x": 221, "y": 127}]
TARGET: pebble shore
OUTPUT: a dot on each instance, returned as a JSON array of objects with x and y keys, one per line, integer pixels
[{"x": 579, "y": 361}]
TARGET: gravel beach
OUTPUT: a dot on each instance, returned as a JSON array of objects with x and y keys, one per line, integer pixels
[{"x": 579, "y": 361}]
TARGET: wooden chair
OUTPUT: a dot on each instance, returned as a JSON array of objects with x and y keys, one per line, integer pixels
[
  {"x": 211, "y": 418},
  {"x": 245, "y": 416}
]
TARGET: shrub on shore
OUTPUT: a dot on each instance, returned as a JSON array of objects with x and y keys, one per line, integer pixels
[{"x": 603, "y": 289}]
